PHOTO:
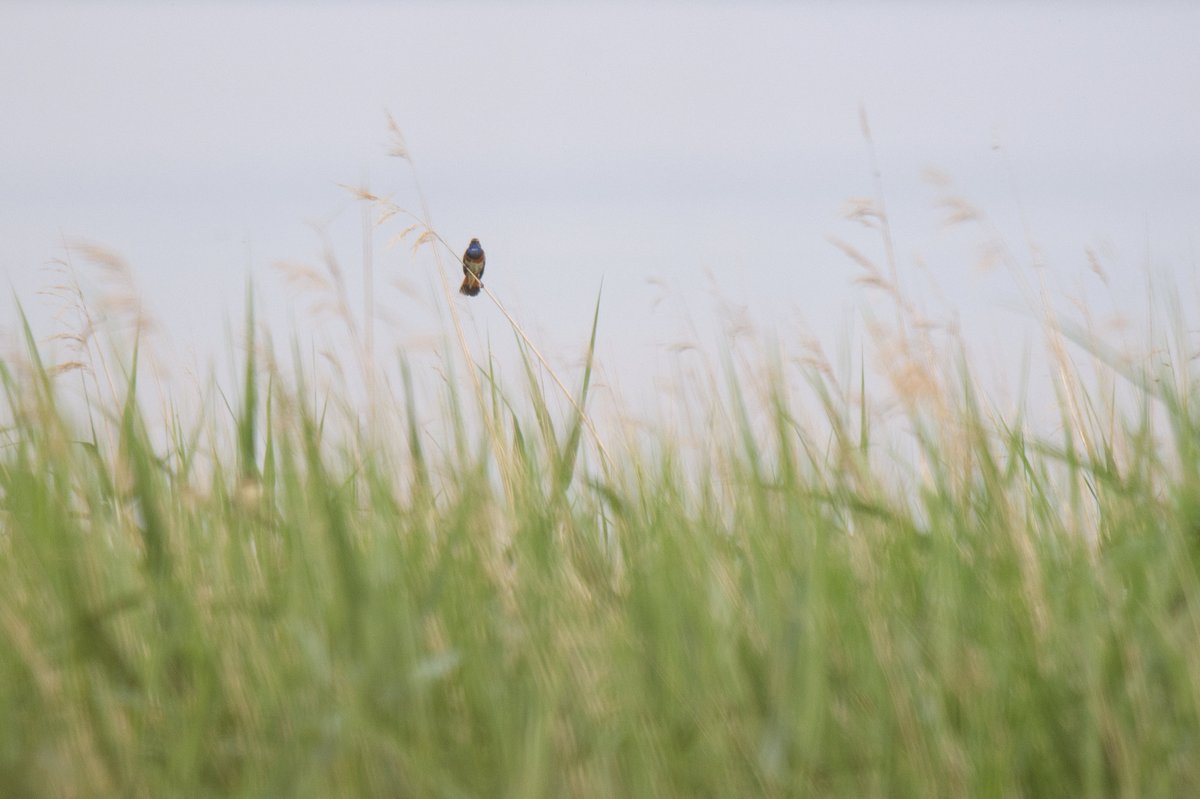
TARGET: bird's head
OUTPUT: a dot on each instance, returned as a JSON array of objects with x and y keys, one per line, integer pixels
[{"x": 474, "y": 248}]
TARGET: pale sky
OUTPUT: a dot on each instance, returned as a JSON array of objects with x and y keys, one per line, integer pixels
[{"x": 645, "y": 147}]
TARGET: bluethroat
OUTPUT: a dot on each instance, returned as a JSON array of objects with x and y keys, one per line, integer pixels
[{"x": 473, "y": 262}]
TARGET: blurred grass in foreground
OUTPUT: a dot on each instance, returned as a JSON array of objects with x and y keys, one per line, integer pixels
[{"x": 306, "y": 613}]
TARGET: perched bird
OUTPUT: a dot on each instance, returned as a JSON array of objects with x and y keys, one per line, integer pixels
[{"x": 473, "y": 261}]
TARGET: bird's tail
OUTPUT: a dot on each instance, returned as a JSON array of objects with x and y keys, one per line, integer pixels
[{"x": 470, "y": 286}]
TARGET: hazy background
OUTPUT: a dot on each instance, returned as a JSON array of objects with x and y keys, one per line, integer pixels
[{"x": 694, "y": 158}]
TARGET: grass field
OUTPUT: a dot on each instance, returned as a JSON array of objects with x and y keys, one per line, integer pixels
[{"x": 290, "y": 599}]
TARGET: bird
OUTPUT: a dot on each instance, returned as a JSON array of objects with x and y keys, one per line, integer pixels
[{"x": 473, "y": 262}]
